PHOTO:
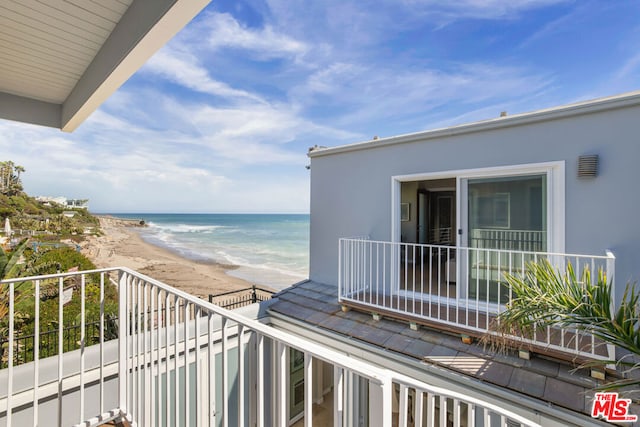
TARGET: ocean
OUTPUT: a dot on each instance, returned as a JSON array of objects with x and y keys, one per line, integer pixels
[{"x": 268, "y": 249}]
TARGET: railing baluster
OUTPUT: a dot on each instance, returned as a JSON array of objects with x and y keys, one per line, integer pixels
[
  {"x": 456, "y": 412},
  {"x": 10, "y": 355},
  {"x": 370, "y": 281},
  {"x": 138, "y": 382},
  {"x": 447, "y": 284},
  {"x": 384, "y": 273},
  {"x": 167, "y": 358},
  {"x": 443, "y": 411},
  {"x": 241, "y": 376},
  {"x": 36, "y": 353},
  {"x": 352, "y": 285},
  {"x": 403, "y": 406},
  {"x": 82, "y": 345},
  {"x": 225, "y": 375},
  {"x": 145, "y": 356},
  {"x": 418, "y": 408},
  {"x": 488, "y": 295},
  {"x": 430, "y": 280},
  {"x": 338, "y": 396},
  {"x": 282, "y": 372},
  {"x": 431, "y": 410},
  {"x": 157, "y": 388},
  {"x": 403, "y": 285},
  {"x": 198, "y": 368},
  {"x": 308, "y": 390},
  {"x": 377, "y": 274},
  {"x": 211, "y": 369},
  {"x": 187, "y": 408},
  {"x": 499, "y": 285},
  {"x": 413, "y": 268},
  {"x": 151, "y": 388},
  {"x": 260, "y": 390},
  {"x": 439, "y": 284},
  {"x": 341, "y": 269},
  {"x": 60, "y": 348},
  {"x": 176, "y": 356},
  {"x": 101, "y": 341}
]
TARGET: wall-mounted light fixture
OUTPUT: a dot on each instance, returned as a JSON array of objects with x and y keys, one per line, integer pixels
[{"x": 588, "y": 166}]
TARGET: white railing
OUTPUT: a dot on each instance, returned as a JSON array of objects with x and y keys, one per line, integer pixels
[
  {"x": 457, "y": 287},
  {"x": 523, "y": 240},
  {"x": 179, "y": 360}
]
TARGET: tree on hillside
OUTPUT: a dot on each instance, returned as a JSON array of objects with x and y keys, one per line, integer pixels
[
  {"x": 545, "y": 297},
  {"x": 10, "y": 183}
]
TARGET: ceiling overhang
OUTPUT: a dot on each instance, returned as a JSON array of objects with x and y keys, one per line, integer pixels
[{"x": 143, "y": 28}]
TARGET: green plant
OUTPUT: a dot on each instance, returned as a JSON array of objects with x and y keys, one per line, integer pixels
[
  {"x": 544, "y": 296},
  {"x": 9, "y": 262}
]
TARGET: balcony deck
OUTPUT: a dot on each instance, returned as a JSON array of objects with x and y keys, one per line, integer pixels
[
  {"x": 553, "y": 382},
  {"x": 463, "y": 320}
]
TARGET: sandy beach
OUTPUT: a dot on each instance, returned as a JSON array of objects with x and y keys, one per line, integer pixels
[{"x": 122, "y": 246}]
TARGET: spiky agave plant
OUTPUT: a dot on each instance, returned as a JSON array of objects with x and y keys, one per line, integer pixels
[{"x": 544, "y": 296}]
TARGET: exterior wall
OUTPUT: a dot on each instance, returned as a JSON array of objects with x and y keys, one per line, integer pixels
[{"x": 351, "y": 191}]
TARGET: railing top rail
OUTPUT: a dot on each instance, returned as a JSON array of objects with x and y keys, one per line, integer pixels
[
  {"x": 373, "y": 373},
  {"x": 609, "y": 254},
  {"x": 58, "y": 275}
]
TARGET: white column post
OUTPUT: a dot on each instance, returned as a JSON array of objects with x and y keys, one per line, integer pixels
[{"x": 123, "y": 334}]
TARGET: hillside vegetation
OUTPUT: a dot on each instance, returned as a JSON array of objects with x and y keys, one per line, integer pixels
[
  {"x": 43, "y": 241},
  {"x": 45, "y": 221}
]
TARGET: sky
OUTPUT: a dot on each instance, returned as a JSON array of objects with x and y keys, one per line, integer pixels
[{"x": 222, "y": 117}]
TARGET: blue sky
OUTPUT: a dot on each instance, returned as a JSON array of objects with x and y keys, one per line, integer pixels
[{"x": 221, "y": 118}]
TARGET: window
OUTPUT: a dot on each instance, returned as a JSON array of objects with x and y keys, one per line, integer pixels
[{"x": 494, "y": 211}]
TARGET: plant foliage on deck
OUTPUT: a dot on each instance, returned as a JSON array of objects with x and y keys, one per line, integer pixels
[{"x": 544, "y": 297}]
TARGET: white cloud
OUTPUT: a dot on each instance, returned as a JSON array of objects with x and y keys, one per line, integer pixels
[
  {"x": 184, "y": 69},
  {"x": 477, "y": 9},
  {"x": 266, "y": 42},
  {"x": 630, "y": 67},
  {"x": 373, "y": 94}
]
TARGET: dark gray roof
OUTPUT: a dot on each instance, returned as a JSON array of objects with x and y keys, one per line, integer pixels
[{"x": 555, "y": 382}]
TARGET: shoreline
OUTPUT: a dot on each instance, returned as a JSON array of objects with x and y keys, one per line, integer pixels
[{"x": 122, "y": 246}]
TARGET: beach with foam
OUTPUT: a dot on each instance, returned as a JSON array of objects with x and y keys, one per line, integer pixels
[{"x": 206, "y": 253}]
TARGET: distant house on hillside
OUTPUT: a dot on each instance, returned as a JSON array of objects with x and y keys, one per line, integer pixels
[{"x": 64, "y": 202}]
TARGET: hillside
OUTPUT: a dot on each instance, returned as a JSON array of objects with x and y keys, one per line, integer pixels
[{"x": 30, "y": 217}]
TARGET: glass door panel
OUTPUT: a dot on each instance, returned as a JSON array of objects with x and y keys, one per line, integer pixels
[{"x": 506, "y": 217}]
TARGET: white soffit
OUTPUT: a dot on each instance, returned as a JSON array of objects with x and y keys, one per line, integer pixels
[{"x": 60, "y": 59}]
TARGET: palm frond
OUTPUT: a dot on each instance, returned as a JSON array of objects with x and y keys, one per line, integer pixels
[{"x": 544, "y": 297}]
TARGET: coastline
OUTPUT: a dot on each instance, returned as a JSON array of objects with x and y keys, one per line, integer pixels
[{"x": 122, "y": 246}]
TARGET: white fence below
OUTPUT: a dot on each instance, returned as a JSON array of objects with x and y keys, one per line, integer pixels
[{"x": 457, "y": 287}]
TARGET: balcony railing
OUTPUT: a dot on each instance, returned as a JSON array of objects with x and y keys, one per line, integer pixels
[
  {"x": 179, "y": 360},
  {"x": 456, "y": 288}
]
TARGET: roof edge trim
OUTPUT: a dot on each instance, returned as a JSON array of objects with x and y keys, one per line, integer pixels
[
  {"x": 144, "y": 28},
  {"x": 554, "y": 113},
  {"x": 27, "y": 110}
]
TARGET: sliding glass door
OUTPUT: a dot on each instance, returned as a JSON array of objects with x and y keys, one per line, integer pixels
[{"x": 507, "y": 216}]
